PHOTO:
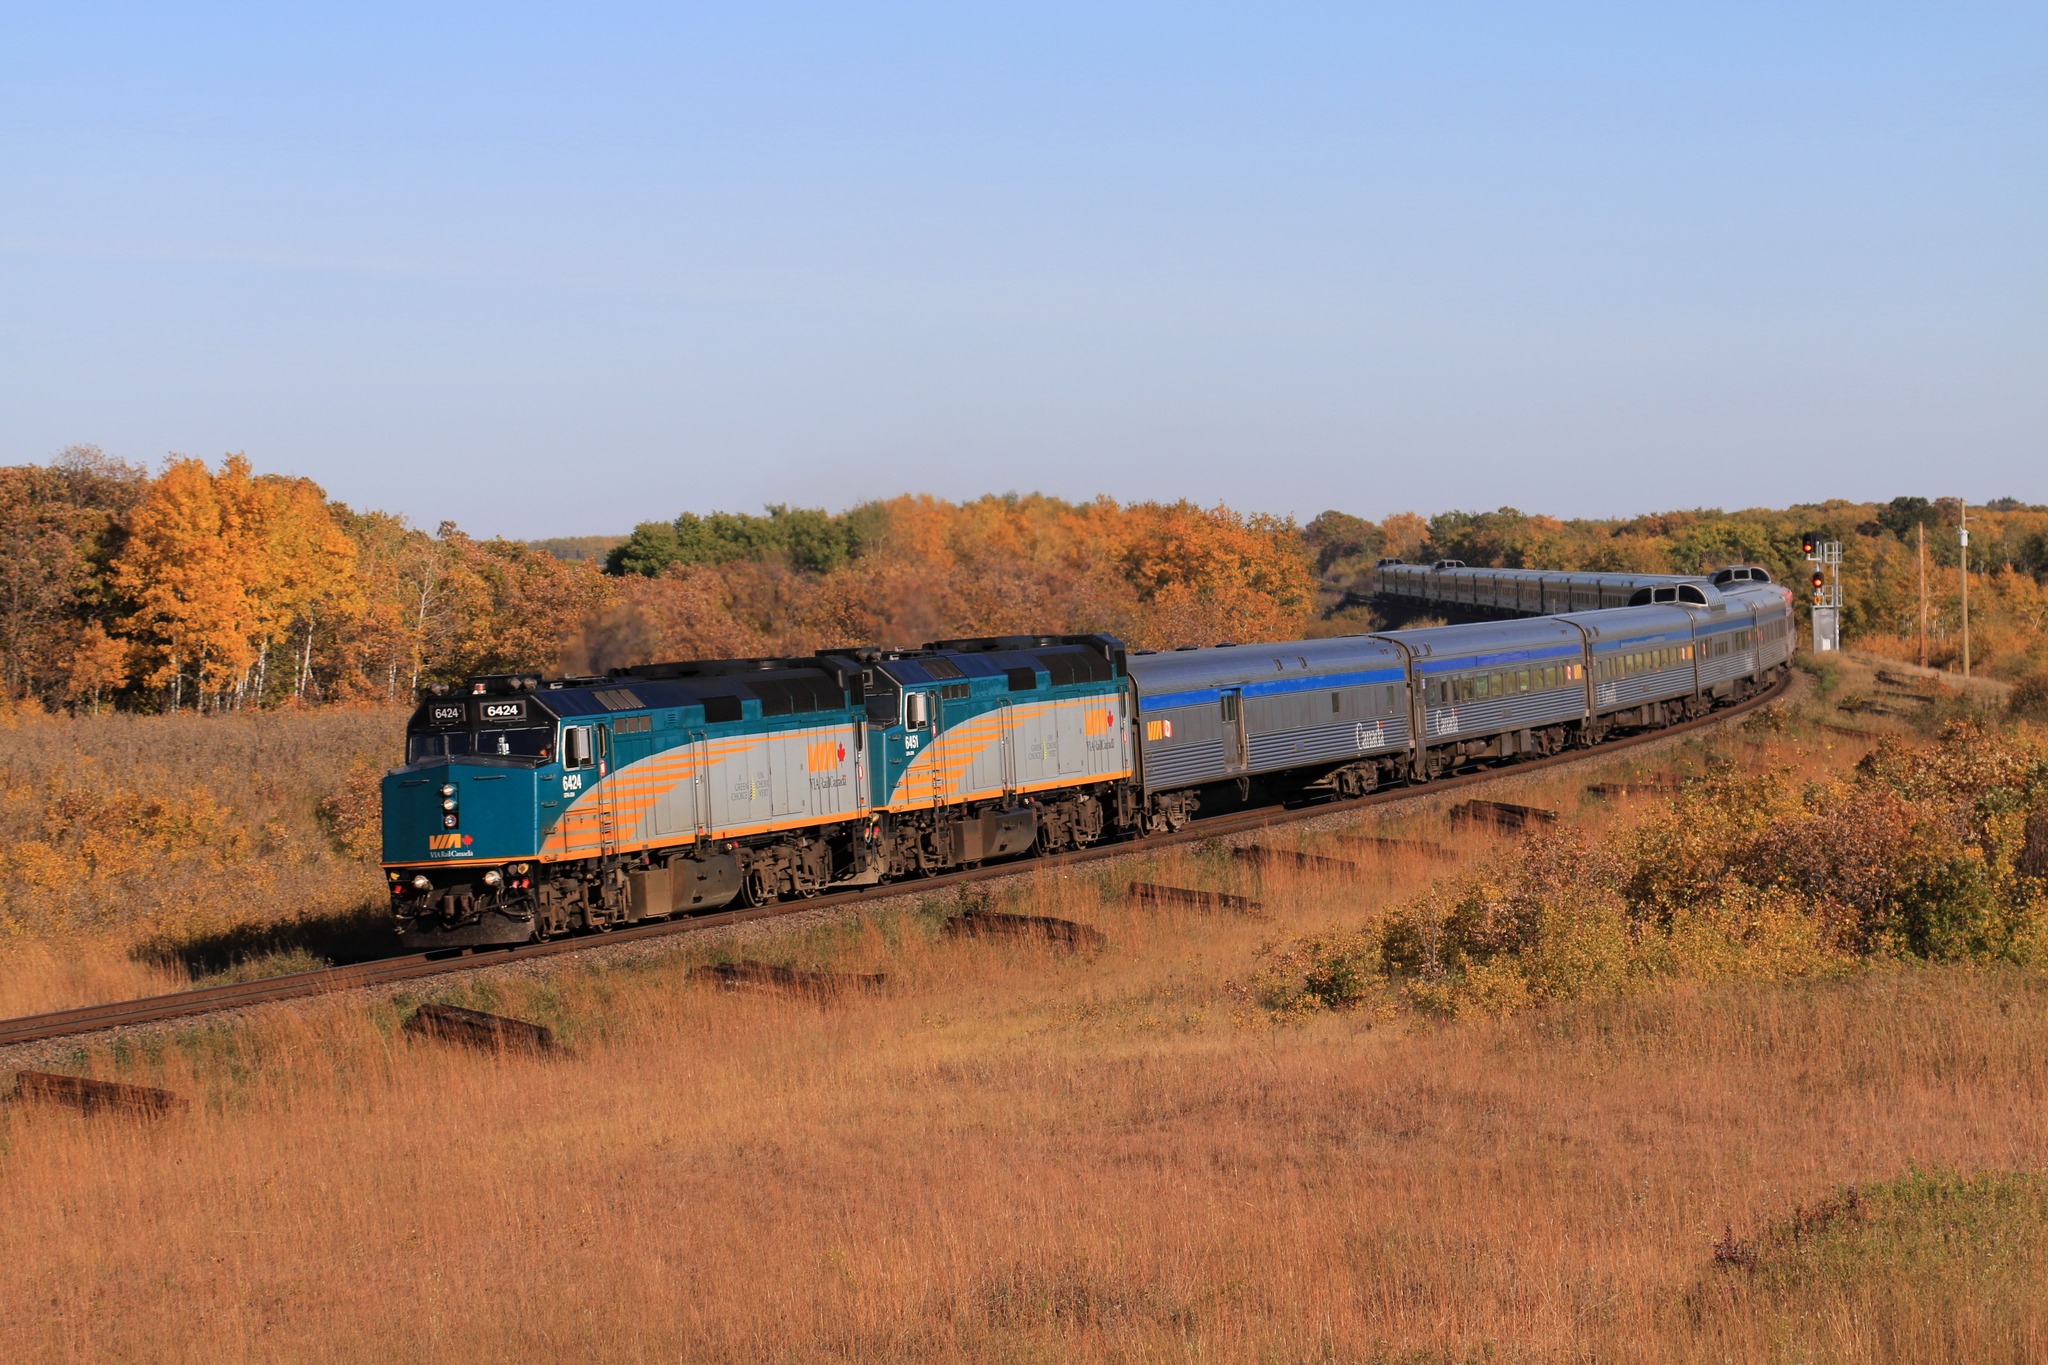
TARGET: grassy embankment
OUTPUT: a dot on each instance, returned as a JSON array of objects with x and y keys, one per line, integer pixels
[
  {"x": 1159, "y": 1151},
  {"x": 143, "y": 852}
]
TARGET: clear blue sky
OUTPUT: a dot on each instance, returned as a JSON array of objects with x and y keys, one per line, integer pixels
[{"x": 559, "y": 269}]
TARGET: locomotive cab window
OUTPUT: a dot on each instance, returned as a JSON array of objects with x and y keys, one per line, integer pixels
[
  {"x": 884, "y": 700},
  {"x": 533, "y": 741},
  {"x": 426, "y": 748},
  {"x": 576, "y": 747}
]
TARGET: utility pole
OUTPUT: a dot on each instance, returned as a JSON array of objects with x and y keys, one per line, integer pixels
[
  {"x": 1963, "y": 539},
  {"x": 1922, "y": 529}
]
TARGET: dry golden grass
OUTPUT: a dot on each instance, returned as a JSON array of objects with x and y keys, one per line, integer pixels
[
  {"x": 1012, "y": 1158},
  {"x": 1019, "y": 1154},
  {"x": 137, "y": 851}
]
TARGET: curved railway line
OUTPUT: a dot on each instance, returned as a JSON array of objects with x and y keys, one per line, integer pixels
[{"x": 392, "y": 970}]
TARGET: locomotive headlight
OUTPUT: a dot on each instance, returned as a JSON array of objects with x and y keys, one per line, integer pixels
[
  {"x": 494, "y": 878},
  {"x": 421, "y": 883},
  {"x": 448, "y": 790},
  {"x": 447, "y": 803},
  {"x": 448, "y": 820}
]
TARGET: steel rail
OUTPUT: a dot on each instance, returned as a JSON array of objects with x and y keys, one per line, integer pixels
[{"x": 387, "y": 971}]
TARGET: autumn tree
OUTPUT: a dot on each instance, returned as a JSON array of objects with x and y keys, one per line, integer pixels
[
  {"x": 98, "y": 667},
  {"x": 519, "y": 609},
  {"x": 221, "y": 568},
  {"x": 59, "y": 523}
]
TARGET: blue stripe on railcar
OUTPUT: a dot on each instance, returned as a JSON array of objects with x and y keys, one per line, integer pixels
[{"x": 1307, "y": 682}]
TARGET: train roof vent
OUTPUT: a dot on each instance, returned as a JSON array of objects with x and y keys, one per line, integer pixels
[
  {"x": 787, "y": 696},
  {"x": 1075, "y": 666},
  {"x": 617, "y": 699}
]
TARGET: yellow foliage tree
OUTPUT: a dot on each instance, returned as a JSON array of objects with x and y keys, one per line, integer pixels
[
  {"x": 98, "y": 666},
  {"x": 221, "y": 567}
]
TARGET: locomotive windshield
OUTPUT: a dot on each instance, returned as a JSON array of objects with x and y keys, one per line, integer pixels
[{"x": 528, "y": 744}]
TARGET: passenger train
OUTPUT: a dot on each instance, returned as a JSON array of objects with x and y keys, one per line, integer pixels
[{"x": 529, "y": 807}]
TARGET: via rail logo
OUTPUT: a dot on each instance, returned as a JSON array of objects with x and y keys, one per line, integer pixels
[
  {"x": 449, "y": 845},
  {"x": 824, "y": 755}
]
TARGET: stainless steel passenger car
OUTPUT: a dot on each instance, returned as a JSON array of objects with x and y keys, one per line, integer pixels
[
  {"x": 1210, "y": 715},
  {"x": 1448, "y": 695},
  {"x": 1639, "y": 658},
  {"x": 1515, "y": 592},
  {"x": 1495, "y": 687}
]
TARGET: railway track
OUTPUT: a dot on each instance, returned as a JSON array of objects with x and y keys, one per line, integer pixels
[{"x": 410, "y": 967}]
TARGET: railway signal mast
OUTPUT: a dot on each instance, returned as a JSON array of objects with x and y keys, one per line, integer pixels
[{"x": 1826, "y": 558}]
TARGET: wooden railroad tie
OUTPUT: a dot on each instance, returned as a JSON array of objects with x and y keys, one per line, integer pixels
[
  {"x": 1063, "y": 932},
  {"x": 1505, "y": 814},
  {"x": 88, "y": 1096},
  {"x": 1654, "y": 787},
  {"x": 1383, "y": 843},
  {"x": 493, "y": 1032},
  {"x": 1919, "y": 685},
  {"x": 1262, "y": 856},
  {"x": 793, "y": 980},
  {"x": 1856, "y": 706},
  {"x": 1149, "y": 893},
  {"x": 1833, "y": 728}
]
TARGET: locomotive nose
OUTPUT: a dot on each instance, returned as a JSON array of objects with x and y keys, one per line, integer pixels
[{"x": 456, "y": 812}]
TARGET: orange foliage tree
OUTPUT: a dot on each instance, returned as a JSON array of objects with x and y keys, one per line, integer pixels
[
  {"x": 222, "y": 567},
  {"x": 197, "y": 582},
  {"x": 1154, "y": 575},
  {"x": 58, "y": 525}
]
